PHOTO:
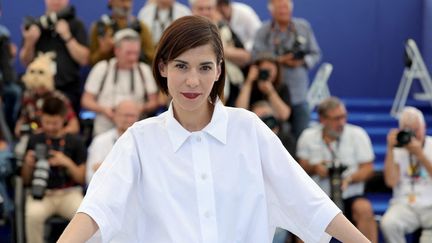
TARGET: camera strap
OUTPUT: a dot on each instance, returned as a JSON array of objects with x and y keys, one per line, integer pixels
[
  {"x": 115, "y": 78},
  {"x": 333, "y": 152},
  {"x": 277, "y": 39},
  {"x": 162, "y": 24},
  {"x": 132, "y": 77},
  {"x": 413, "y": 170}
]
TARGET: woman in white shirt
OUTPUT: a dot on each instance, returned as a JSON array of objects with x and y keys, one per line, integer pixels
[{"x": 202, "y": 172}]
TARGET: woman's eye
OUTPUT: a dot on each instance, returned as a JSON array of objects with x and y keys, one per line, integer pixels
[
  {"x": 180, "y": 66},
  {"x": 206, "y": 68}
]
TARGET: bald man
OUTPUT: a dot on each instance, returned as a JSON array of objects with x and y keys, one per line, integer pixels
[{"x": 125, "y": 114}]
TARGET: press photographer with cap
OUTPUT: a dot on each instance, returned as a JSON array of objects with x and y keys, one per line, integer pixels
[
  {"x": 408, "y": 171},
  {"x": 59, "y": 31},
  {"x": 122, "y": 77}
]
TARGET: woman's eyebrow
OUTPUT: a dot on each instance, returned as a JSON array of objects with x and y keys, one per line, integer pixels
[{"x": 181, "y": 61}]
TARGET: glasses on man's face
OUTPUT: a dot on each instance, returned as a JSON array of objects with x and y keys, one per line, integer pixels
[{"x": 337, "y": 117}]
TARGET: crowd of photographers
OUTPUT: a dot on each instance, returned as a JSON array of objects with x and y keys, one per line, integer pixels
[{"x": 267, "y": 67}]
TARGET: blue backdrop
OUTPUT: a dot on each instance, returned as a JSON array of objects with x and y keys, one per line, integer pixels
[{"x": 363, "y": 39}]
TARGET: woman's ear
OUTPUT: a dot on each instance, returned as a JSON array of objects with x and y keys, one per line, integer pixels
[{"x": 162, "y": 69}]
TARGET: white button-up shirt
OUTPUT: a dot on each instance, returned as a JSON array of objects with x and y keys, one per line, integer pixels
[{"x": 233, "y": 181}]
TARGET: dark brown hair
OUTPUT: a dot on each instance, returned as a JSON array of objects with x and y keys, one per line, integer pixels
[
  {"x": 184, "y": 34},
  {"x": 54, "y": 106}
]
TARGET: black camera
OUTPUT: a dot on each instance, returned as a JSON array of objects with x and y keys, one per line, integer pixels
[
  {"x": 296, "y": 48},
  {"x": 263, "y": 74},
  {"x": 106, "y": 22},
  {"x": 403, "y": 137},
  {"x": 48, "y": 22},
  {"x": 41, "y": 171},
  {"x": 270, "y": 121},
  {"x": 335, "y": 170}
]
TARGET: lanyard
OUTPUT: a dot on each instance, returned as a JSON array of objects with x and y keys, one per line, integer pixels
[
  {"x": 334, "y": 152},
  {"x": 413, "y": 170}
]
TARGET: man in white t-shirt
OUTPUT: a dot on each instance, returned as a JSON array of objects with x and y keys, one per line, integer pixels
[
  {"x": 122, "y": 77},
  {"x": 242, "y": 19},
  {"x": 321, "y": 147},
  {"x": 159, "y": 14},
  {"x": 126, "y": 113},
  {"x": 408, "y": 170}
]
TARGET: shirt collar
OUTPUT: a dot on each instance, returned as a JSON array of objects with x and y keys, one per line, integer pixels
[{"x": 217, "y": 127}]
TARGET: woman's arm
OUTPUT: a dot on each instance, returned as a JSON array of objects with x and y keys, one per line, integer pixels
[
  {"x": 343, "y": 230},
  {"x": 80, "y": 229}
]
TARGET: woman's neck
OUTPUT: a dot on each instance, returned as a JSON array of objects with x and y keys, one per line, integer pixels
[{"x": 194, "y": 120}]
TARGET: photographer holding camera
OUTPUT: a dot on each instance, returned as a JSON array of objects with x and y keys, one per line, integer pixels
[
  {"x": 54, "y": 168},
  {"x": 61, "y": 32},
  {"x": 408, "y": 171},
  {"x": 293, "y": 44},
  {"x": 264, "y": 82},
  {"x": 324, "y": 148},
  {"x": 103, "y": 30}
]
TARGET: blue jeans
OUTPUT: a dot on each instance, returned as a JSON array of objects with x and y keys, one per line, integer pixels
[
  {"x": 300, "y": 118},
  {"x": 12, "y": 103}
]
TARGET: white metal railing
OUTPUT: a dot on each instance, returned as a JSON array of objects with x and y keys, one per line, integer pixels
[{"x": 319, "y": 89}]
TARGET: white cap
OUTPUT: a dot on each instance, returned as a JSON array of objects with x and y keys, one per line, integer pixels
[{"x": 126, "y": 33}]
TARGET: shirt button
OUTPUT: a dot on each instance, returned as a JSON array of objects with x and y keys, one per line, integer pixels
[
  {"x": 198, "y": 139},
  {"x": 203, "y": 176},
  {"x": 207, "y": 214}
]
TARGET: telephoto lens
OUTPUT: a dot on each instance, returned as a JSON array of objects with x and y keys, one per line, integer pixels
[{"x": 41, "y": 172}]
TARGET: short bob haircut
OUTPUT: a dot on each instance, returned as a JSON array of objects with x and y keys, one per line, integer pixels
[{"x": 182, "y": 35}]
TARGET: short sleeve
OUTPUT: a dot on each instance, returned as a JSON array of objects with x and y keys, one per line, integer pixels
[
  {"x": 303, "y": 151},
  {"x": 94, "y": 79},
  {"x": 80, "y": 151},
  {"x": 365, "y": 153},
  {"x": 79, "y": 32},
  {"x": 295, "y": 201},
  {"x": 112, "y": 187}
]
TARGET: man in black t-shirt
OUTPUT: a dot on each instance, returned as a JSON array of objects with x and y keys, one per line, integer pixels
[
  {"x": 55, "y": 187},
  {"x": 67, "y": 37}
]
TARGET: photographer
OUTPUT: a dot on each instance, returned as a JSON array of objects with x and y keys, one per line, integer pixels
[
  {"x": 333, "y": 144},
  {"x": 67, "y": 37},
  {"x": 408, "y": 170},
  {"x": 66, "y": 155},
  {"x": 10, "y": 90},
  {"x": 103, "y": 30},
  {"x": 264, "y": 83},
  {"x": 122, "y": 77},
  {"x": 293, "y": 44}
]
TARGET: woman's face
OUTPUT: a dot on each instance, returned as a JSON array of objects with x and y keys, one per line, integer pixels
[
  {"x": 272, "y": 69},
  {"x": 190, "y": 78}
]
